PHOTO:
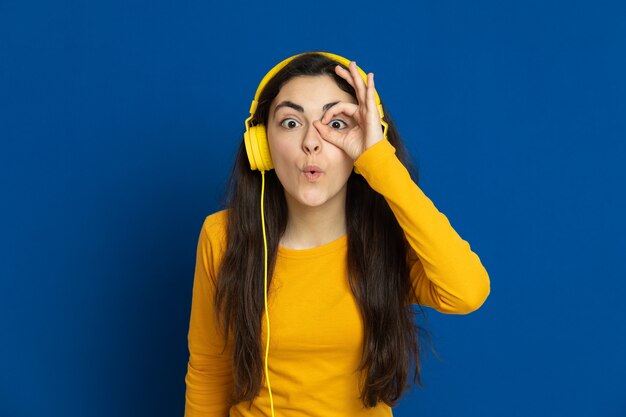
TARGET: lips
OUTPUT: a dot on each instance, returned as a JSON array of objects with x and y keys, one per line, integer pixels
[
  {"x": 312, "y": 172},
  {"x": 312, "y": 169},
  {"x": 312, "y": 176}
]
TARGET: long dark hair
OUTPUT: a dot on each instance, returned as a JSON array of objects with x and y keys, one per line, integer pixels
[{"x": 377, "y": 264}]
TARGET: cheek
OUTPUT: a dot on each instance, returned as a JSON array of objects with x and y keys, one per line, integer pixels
[
  {"x": 347, "y": 172},
  {"x": 283, "y": 157},
  {"x": 344, "y": 163},
  {"x": 279, "y": 151}
]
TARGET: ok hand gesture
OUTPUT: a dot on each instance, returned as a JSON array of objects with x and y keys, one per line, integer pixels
[{"x": 367, "y": 131}]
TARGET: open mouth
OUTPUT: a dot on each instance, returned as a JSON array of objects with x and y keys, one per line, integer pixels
[{"x": 312, "y": 175}]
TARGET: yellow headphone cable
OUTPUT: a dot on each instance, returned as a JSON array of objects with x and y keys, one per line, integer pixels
[{"x": 267, "y": 314}]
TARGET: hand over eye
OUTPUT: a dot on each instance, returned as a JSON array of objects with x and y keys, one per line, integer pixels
[{"x": 366, "y": 130}]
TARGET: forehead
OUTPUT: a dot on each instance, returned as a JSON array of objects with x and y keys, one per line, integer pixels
[{"x": 310, "y": 91}]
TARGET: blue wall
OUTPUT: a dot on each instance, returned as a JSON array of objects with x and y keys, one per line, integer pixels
[{"x": 119, "y": 122}]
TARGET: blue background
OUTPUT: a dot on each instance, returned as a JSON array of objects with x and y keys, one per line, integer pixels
[{"x": 119, "y": 121}]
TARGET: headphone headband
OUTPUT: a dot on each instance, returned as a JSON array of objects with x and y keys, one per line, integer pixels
[{"x": 272, "y": 72}]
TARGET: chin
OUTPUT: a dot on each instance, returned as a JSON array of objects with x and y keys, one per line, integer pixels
[
  {"x": 316, "y": 200},
  {"x": 313, "y": 202}
]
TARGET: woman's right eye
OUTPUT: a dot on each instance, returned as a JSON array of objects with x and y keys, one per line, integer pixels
[{"x": 291, "y": 123}]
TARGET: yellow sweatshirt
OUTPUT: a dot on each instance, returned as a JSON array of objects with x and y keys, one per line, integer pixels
[{"x": 315, "y": 325}]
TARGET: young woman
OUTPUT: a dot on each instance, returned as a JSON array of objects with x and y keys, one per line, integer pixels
[{"x": 305, "y": 284}]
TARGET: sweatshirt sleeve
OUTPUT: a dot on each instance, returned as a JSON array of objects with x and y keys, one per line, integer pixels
[
  {"x": 209, "y": 377},
  {"x": 445, "y": 273}
]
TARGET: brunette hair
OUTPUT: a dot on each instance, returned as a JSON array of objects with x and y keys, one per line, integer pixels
[{"x": 377, "y": 263}]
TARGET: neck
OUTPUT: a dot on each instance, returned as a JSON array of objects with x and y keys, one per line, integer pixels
[{"x": 309, "y": 227}]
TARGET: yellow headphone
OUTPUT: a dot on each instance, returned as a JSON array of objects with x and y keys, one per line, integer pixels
[
  {"x": 255, "y": 137},
  {"x": 258, "y": 151}
]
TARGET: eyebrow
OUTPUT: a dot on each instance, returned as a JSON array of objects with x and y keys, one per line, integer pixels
[{"x": 295, "y": 106}]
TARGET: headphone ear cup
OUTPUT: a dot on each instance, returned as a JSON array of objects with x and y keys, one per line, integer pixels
[{"x": 257, "y": 148}]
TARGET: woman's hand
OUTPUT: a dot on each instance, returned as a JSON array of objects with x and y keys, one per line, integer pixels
[{"x": 367, "y": 131}]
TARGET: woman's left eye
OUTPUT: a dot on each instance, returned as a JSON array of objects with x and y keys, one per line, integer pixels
[{"x": 334, "y": 122}]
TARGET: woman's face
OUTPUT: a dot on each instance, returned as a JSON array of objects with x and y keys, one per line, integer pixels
[{"x": 295, "y": 143}]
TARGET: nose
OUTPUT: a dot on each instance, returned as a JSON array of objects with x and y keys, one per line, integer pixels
[{"x": 312, "y": 142}]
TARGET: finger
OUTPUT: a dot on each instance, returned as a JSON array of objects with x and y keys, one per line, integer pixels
[
  {"x": 345, "y": 74},
  {"x": 371, "y": 92},
  {"x": 373, "y": 112},
  {"x": 349, "y": 76},
  {"x": 349, "y": 109},
  {"x": 358, "y": 82}
]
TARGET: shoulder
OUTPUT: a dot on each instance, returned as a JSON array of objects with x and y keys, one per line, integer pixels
[
  {"x": 214, "y": 228},
  {"x": 216, "y": 221},
  {"x": 212, "y": 240}
]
